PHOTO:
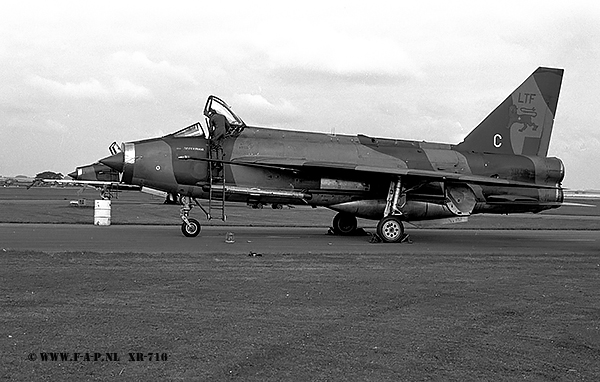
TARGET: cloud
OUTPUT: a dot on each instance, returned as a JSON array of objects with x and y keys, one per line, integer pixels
[
  {"x": 87, "y": 89},
  {"x": 54, "y": 126},
  {"x": 264, "y": 111},
  {"x": 127, "y": 89},
  {"x": 137, "y": 63},
  {"x": 345, "y": 57},
  {"x": 91, "y": 89},
  {"x": 35, "y": 124}
]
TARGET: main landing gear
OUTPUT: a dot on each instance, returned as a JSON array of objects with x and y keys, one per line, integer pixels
[
  {"x": 344, "y": 224},
  {"x": 390, "y": 229}
]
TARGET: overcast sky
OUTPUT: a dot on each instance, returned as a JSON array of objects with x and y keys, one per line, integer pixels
[{"x": 76, "y": 76}]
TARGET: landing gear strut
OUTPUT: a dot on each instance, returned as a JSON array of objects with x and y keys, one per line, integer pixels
[
  {"x": 390, "y": 228},
  {"x": 344, "y": 224},
  {"x": 190, "y": 227}
]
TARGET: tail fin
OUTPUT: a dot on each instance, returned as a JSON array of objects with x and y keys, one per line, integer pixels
[{"x": 522, "y": 124}]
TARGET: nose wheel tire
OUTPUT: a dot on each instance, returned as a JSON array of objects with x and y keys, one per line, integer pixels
[
  {"x": 192, "y": 229},
  {"x": 390, "y": 229}
]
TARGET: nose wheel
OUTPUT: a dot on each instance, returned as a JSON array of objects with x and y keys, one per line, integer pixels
[{"x": 191, "y": 228}]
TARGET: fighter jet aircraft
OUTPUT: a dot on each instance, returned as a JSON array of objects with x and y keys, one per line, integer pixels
[
  {"x": 501, "y": 167},
  {"x": 98, "y": 176}
]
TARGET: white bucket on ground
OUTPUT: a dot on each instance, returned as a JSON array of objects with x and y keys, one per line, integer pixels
[{"x": 102, "y": 212}]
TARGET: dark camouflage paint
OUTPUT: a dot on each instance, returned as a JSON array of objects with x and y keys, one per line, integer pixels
[{"x": 511, "y": 144}]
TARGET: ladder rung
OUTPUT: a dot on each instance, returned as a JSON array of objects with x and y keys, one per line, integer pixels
[{"x": 216, "y": 197}]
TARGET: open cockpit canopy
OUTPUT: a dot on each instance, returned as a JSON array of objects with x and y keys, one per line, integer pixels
[{"x": 213, "y": 104}]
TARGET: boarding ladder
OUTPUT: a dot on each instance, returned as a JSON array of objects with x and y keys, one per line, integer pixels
[{"x": 216, "y": 179}]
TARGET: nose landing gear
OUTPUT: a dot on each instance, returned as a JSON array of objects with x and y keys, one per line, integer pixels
[{"x": 190, "y": 227}]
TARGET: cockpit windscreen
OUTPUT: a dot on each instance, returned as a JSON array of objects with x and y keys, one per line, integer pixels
[{"x": 194, "y": 130}]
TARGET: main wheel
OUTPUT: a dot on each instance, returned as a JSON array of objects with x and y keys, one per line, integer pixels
[
  {"x": 344, "y": 224},
  {"x": 390, "y": 229},
  {"x": 191, "y": 230}
]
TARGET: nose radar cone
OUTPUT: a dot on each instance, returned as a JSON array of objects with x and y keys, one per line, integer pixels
[
  {"x": 115, "y": 162},
  {"x": 73, "y": 175}
]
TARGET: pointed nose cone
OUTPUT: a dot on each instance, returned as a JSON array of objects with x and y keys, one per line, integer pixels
[
  {"x": 73, "y": 175},
  {"x": 115, "y": 162}
]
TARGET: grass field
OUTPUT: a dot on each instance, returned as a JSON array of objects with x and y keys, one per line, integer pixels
[{"x": 301, "y": 317}]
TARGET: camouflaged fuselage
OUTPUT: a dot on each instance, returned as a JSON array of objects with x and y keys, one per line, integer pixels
[
  {"x": 500, "y": 167},
  {"x": 157, "y": 163}
]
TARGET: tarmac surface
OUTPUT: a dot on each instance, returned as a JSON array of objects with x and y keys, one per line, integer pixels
[{"x": 288, "y": 240}]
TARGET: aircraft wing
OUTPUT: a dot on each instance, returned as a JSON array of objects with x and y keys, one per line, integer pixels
[{"x": 296, "y": 164}]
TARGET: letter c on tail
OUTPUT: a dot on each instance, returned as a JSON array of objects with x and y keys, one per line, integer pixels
[{"x": 497, "y": 140}]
